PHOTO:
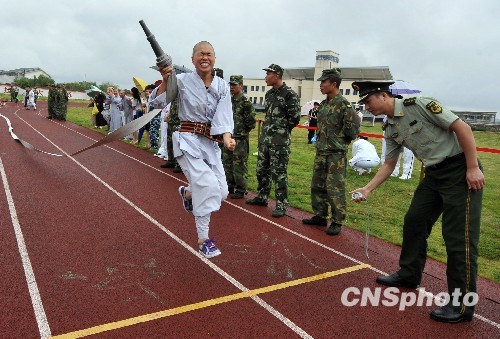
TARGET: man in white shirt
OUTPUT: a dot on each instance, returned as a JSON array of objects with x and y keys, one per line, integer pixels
[
  {"x": 31, "y": 99},
  {"x": 408, "y": 160},
  {"x": 364, "y": 156},
  {"x": 206, "y": 116}
]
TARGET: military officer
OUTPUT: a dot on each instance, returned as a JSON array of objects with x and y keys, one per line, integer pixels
[
  {"x": 282, "y": 115},
  {"x": 452, "y": 187},
  {"x": 338, "y": 125},
  {"x": 235, "y": 162}
]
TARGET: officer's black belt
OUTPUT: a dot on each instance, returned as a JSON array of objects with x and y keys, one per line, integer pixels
[
  {"x": 447, "y": 161},
  {"x": 199, "y": 128}
]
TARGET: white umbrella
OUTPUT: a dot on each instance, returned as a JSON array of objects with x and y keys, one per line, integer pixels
[
  {"x": 403, "y": 87},
  {"x": 308, "y": 106}
]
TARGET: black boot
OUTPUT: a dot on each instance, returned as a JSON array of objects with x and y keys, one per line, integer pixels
[
  {"x": 395, "y": 280},
  {"x": 447, "y": 314},
  {"x": 257, "y": 201},
  {"x": 316, "y": 221},
  {"x": 334, "y": 229}
]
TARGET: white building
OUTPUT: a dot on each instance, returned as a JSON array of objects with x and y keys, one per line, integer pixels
[
  {"x": 10, "y": 76},
  {"x": 303, "y": 80}
]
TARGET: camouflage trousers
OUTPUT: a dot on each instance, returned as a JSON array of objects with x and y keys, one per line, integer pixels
[
  {"x": 272, "y": 166},
  {"x": 59, "y": 111},
  {"x": 235, "y": 165},
  {"x": 328, "y": 186},
  {"x": 154, "y": 131}
]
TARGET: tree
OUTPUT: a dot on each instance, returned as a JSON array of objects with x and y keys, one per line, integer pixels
[{"x": 42, "y": 80}]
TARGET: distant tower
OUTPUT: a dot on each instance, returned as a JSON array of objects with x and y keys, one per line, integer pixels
[{"x": 324, "y": 60}]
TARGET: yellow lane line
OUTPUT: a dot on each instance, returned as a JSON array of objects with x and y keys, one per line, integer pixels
[{"x": 212, "y": 302}]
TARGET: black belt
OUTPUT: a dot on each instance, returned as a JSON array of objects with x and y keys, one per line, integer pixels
[{"x": 447, "y": 161}]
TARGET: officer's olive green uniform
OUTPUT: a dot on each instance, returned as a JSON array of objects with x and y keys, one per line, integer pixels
[{"x": 422, "y": 125}]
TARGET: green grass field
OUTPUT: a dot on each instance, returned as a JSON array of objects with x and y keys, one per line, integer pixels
[{"x": 387, "y": 204}]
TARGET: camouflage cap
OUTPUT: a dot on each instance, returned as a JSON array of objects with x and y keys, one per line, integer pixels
[
  {"x": 367, "y": 88},
  {"x": 236, "y": 79},
  {"x": 330, "y": 73},
  {"x": 274, "y": 68},
  {"x": 219, "y": 72}
]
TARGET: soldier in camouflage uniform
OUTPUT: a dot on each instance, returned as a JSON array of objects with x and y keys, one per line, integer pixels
[
  {"x": 173, "y": 125},
  {"x": 50, "y": 102},
  {"x": 282, "y": 115},
  {"x": 235, "y": 162},
  {"x": 338, "y": 125},
  {"x": 61, "y": 103},
  {"x": 13, "y": 94},
  {"x": 57, "y": 101}
]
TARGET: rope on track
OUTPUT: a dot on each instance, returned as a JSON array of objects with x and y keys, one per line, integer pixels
[{"x": 120, "y": 133}]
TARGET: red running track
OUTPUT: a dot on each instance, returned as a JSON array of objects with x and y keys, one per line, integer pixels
[{"x": 100, "y": 244}]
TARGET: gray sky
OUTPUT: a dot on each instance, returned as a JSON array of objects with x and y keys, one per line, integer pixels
[{"x": 449, "y": 49}]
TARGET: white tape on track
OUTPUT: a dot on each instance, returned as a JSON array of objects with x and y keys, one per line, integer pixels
[{"x": 120, "y": 133}]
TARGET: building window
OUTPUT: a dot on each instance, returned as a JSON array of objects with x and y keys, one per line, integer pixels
[
  {"x": 263, "y": 88},
  {"x": 245, "y": 88},
  {"x": 261, "y": 100},
  {"x": 252, "y": 88},
  {"x": 347, "y": 91},
  {"x": 341, "y": 91},
  {"x": 355, "y": 92}
]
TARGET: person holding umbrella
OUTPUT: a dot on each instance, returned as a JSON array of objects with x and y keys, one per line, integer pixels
[
  {"x": 100, "y": 122},
  {"x": 452, "y": 187}
]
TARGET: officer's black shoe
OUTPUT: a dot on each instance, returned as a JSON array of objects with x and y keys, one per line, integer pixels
[
  {"x": 278, "y": 213},
  {"x": 257, "y": 201},
  {"x": 334, "y": 229},
  {"x": 447, "y": 314},
  {"x": 237, "y": 195},
  {"x": 316, "y": 220},
  {"x": 395, "y": 280},
  {"x": 168, "y": 164},
  {"x": 177, "y": 169}
]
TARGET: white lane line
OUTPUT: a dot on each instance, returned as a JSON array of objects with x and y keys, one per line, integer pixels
[
  {"x": 36, "y": 300},
  {"x": 478, "y": 316},
  {"x": 290, "y": 324}
]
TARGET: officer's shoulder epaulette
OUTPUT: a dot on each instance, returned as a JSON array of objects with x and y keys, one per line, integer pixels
[{"x": 410, "y": 101}]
